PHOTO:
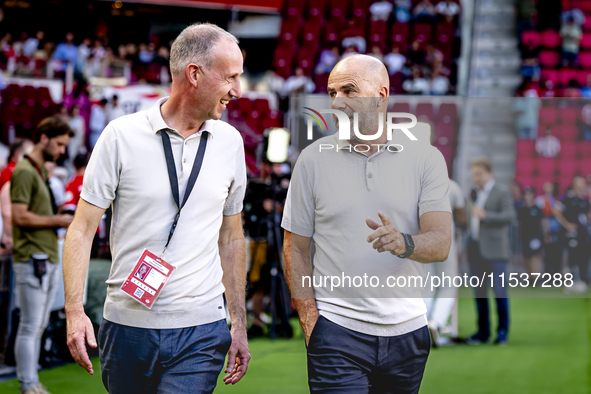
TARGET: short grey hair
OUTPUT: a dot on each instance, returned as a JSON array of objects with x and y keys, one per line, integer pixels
[{"x": 196, "y": 44}]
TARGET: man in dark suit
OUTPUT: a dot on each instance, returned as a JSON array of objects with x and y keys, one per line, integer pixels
[{"x": 491, "y": 212}]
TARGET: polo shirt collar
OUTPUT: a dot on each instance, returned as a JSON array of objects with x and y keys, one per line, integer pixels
[{"x": 157, "y": 122}]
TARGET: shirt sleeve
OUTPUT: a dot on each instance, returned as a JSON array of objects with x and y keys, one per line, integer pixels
[
  {"x": 298, "y": 214},
  {"x": 435, "y": 186},
  {"x": 101, "y": 178},
  {"x": 21, "y": 187},
  {"x": 237, "y": 189}
]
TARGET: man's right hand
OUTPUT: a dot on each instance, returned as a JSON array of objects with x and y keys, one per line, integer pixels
[
  {"x": 308, "y": 326},
  {"x": 64, "y": 220},
  {"x": 80, "y": 330}
]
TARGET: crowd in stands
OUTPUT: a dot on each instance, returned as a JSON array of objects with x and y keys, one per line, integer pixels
[
  {"x": 416, "y": 40},
  {"x": 90, "y": 57}
]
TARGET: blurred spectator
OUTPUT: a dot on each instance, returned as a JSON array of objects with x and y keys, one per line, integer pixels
[
  {"x": 115, "y": 109},
  {"x": 74, "y": 188},
  {"x": 586, "y": 90},
  {"x": 571, "y": 37},
  {"x": 416, "y": 84},
  {"x": 526, "y": 111},
  {"x": 572, "y": 90},
  {"x": 17, "y": 46},
  {"x": 573, "y": 214},
  {"x": 530, "y": 65},
  {"x": 354, "y": 35},
  {"x": 416, "y": 54},
  {"x": 548, "y": 146},
  {"x": 298, "y": 83},
  {"x": 526, "y": 15},
  {"x": 162, "y": 56},
  {"x": 329, "y": 57},
  {"x": 65, "y": 52},
  {"x": 98, "y": 121},
  {"x": 32, "y": 43},
  {"x": 432, "y": 56},
  {"x": 77, "y": 124},
  {"x": 381, "y": 10},
  {"x": 350, "y": 51},
  {"x": 58, "y": 188},
  {"x": 146, "y": 53},
  {"x": 82, "y": 53},
  {"x": 548, "y": 203},
  {"x": 548, "y": 89},
  {"x": 533, "y": 232},
  {"x": 394, "y": 60},
  {"x": 447, "y": 9},
  {"x": 271, "y": 82},
  {"x": 586, "y": 118},
  {"x": 98, "y": 51},
  {"x": 131, "y": 51},
  {"x": 424, "y": 12},
  {"x": 574, "y": 13},
  {"x": 2, "y": 82},
  {"x": 62, "y": 113},
  {"x": 439, "y": 83},
  {"x": 376, "y": 52},
  {"x": 402, "y": 11}
]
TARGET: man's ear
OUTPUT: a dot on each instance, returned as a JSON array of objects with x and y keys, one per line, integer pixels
[
  {"x": 43, "y": 139},
  {"x": 192, "y": 73},
  {"x": 383, "y": 96}
]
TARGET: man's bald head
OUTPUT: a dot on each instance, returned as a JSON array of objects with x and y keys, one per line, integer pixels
[{"x": 369, "y": 74}]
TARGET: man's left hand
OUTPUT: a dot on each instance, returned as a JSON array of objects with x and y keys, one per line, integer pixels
[
  {"x": 386, "y": 236},
  {"x": 238, "y": 357},
  {"x": 480, "y": 213}
]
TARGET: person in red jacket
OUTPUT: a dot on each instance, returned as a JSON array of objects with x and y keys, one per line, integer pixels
[{"x": 75, "y": 186}]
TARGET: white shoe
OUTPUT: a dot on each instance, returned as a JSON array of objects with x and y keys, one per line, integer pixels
[
  {"x": 39, "y": 389},
  {"x": 434, "y": 331},
  {"x": 578, "y": 287}
]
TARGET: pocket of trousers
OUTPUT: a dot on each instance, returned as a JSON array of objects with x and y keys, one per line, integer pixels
[{"x": 314, "y": 332}]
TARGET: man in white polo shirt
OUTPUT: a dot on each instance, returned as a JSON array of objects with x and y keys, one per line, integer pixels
[
  {"x": 368, "y": 336},
  {"x": 175, "y": 178}
]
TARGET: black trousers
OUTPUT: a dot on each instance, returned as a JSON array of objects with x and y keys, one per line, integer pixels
[{"x": 345, "y": 361}]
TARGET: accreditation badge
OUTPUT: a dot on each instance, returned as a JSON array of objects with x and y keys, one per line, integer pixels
[{"x": 147, "y": 279}]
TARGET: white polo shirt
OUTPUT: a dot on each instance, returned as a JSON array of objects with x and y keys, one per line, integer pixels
[
  {"x": 127, "y": 170},
  {"x": 332, "y": 193}
]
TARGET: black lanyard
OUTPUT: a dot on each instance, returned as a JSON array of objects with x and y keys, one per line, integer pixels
[
  {"x": 174, "y": 182},
  {"x": 51, "y": 196}
]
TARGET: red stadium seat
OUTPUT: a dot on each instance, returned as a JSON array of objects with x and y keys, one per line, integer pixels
[
  {"x": 524, "y": 166},
  {"x": 567, "y": 75},
  {"x": 584, "y": 149},
  {"x": 587, "y": 25},
  {"x": 425, "y": 109},
  {"x": 586, "y": 167},
  {"x": 548, "y": 115},
  {"x": 569, "y": 115},
  {"x": 448, "y": 112},
  {"x": 550, "y": 39},
  {"x": 445, "y": 133},
  {"x": 332, "y": 32},
  {"x": 524, "y": 181},
  {"x": 550, "y": 75},
  {"x": 244, "y": 105},
  {"x": 586, "y": 41},
  {"x": 585, "y": 58},
  {"x": 422, "y": 33},
  {"x": 321, "y": 82},
  {"x": 564, "y": 183},
  {"x": 262, "y": 105},
  {"x": 568, "y": 150},
  {"x": 525, "y": 148},
  {"x": 549, "y": 59},
  {"x": 272, "y": 119},
  {"x": 400, "y": 34},
  {"x": 568, "y": 132},
  {"x": 567, "y": 168},
  {"x": 400, "y": 107},
  {"x": 546, "y": 166},
  {"x": 306, "y": 59},
  {"x": 530, "y": 36},
  {"x": 583, "y": 77}
]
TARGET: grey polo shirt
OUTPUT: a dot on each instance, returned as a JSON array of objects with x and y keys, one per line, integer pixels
[
  {"x": 127, "y": 170},
  {"x": 332, "y": 193}
]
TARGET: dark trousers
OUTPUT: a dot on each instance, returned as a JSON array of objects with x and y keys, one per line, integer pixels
[
  {"x": 578, "y": 256},
  {"x": 479, "y": 266},
  {"x": 183, "y": 360},
  {"x": 553, "y": 255},
  {"x": 345, "y": 361}
]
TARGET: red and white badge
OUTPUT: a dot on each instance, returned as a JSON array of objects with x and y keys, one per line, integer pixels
[{"x": 147, "y": 279}]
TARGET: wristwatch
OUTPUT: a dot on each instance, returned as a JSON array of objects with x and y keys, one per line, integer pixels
[{"x": 410, "y": 246}]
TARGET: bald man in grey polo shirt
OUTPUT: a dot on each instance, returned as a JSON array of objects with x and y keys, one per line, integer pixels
[
  {"x": 368, "y": 336},
  {"x": 179, "y": 344}
]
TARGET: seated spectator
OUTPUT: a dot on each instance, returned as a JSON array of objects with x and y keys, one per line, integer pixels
[
  {"x": 65, "y": 52},
  {"x": 329, "y": 57},
  {"x": 271, "y": 82},
  {"x": 530, "y": 65},
  {"x": 439, "y": 83},
  {"x": 32, "y": 43},
  {"x": 531, "y": 88},
  {"x": 350, "y": 51},
  {"x": 394, "y": 60},
  {"x": 575, "y": 13},
  {"x": 376, "y": 52},
  {"x": 424, "y": 12},
  {"x": 416, "y": 85},
  {"x": 298, "y": 83},
  {"x": 381, "y": 10},
  {"x": 586, "y": 90},
  {"x": 146, "y": 53},
  {"x": 548, "y": 146},
  {"x": 402, "y": 11},
  {"x": 432, "y": 56},
  {"x": 415, "y": 54},
  {"x": 571, "y": 37},
  {"x": 548, "y": 89},
  {"x": 447, "y": 9},
  {"x": 526, "y": 117},
  {"x": 354, "y": 36}
]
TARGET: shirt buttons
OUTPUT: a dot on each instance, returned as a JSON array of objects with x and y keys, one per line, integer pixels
[
  {"x": 184, "y": 160},
  {"x": 369, "y": 175}
]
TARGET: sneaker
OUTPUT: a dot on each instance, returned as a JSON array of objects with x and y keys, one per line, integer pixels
[
  {"x": 434, "y": 331},
  {"x": 39, "y": 389},
  {"x": 502, "y": 339},
  {"x": 477, "y": 339}
]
